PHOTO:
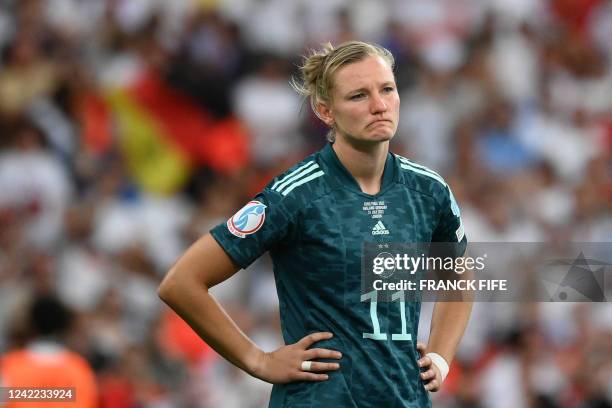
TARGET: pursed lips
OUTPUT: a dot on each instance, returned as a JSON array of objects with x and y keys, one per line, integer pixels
[{"x": 379, "y": 121}]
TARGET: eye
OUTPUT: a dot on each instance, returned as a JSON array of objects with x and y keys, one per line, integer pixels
[
  {"x": 388, "y": 89},
  {"x": 357, "y": 96}
]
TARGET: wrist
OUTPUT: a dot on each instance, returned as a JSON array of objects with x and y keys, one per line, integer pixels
[
  {"x": 441, "y": 363},
  {"x": 254, "y": 362}
]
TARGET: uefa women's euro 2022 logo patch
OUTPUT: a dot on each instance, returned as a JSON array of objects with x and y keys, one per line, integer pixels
[{"x": 247, "y": 220}]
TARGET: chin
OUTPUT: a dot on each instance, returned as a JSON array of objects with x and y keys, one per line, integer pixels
[
  {"x": 377, "y": 137},
  {"x": 381, "y": 137}
]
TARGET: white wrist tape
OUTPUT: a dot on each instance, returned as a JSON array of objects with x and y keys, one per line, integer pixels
[{"x": 441, "y": 363}]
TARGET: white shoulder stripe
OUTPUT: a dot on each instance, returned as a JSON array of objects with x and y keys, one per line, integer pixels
[
  {"x": 460, "y": 232},
  {"x": 296, "y": 176},
  {"x": 294, "y": 172},
  {"x": 302, "y": 181},
  {"x": 425, "y": 173},
  {"x": 419, "y": 166}
]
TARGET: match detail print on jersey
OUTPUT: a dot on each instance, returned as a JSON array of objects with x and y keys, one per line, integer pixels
[
  {"x": 247, "y": 220},
  {"x": 375, "y": 209}
]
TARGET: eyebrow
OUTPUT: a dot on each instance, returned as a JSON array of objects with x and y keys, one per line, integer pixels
[{"x": 365, "y": 89}]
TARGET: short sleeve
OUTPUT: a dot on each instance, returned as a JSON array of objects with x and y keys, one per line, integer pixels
[
  {"x": 450, "y": 227},
  {"x": 261, "y": 224}
]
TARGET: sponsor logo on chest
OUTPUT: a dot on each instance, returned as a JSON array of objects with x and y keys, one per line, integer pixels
[{"x": 380, "y": 229}]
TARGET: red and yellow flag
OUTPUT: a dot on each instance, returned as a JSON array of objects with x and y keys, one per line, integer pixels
[{"x": 163, "y": 135}]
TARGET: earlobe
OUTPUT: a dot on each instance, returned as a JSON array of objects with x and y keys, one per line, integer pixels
[
  {"x": 325, "y": 114},
  {"x": 329, "y": 119}
]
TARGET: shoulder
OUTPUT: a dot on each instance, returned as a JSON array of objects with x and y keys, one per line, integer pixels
[
  {"x": 427, "y": 181},
  {"x": 301, "y": 184},
  {"x": 421, "y": 178}
]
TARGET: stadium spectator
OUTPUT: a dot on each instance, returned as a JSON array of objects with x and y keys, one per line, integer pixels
[{"x": 45, "y": 363}]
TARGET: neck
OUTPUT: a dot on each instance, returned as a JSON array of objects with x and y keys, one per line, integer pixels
[{"x": 365, "y": 162}]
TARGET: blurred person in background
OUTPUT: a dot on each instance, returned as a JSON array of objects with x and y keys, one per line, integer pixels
[
  {"x": 35, "y": 184},
  {"x": 45, "y": 362},
  {"x": 317, "y": 256}
]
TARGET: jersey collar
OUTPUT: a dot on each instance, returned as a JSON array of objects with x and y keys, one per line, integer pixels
[{"x": 341, "y": 176}]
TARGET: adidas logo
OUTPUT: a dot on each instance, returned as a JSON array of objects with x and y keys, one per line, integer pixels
[{"x": 380, "y": 229}]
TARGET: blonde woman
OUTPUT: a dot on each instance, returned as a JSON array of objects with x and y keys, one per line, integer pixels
[{"x": 342, "y": 348}]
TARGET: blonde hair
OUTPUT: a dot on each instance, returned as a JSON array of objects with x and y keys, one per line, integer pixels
[{"x": 317, "y": 71}]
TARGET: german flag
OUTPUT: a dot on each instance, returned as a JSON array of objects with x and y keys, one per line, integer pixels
[{"x": 163, "y": 135}]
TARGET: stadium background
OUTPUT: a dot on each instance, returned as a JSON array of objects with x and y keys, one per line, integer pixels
[{"x": 129, "y": 127}]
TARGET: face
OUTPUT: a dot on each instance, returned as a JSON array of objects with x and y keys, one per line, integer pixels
[{"x": 365, "y": 102}]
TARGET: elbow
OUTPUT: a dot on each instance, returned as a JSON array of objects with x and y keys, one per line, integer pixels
[
  {"x": 167, "y": 289},
  {"x": 176, "y": 285}
]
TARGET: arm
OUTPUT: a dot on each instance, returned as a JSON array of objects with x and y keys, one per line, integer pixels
[
  {"x": 448, "y": 324},
  {"x": 185, "y": 290},
  {"x": 452, "y": 309}
]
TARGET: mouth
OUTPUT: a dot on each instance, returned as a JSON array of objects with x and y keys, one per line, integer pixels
[{"x": 379, "y": 121}]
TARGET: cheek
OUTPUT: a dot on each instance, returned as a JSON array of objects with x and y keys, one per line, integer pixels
[
  {"x": 351, "y": 118},
  {"x": 395, "y": 102}
]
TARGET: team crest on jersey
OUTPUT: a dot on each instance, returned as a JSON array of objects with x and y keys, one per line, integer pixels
[{"x": 247, "y": 220}]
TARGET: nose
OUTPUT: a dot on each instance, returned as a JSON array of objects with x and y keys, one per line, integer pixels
[{"x": 377, "y": 104}]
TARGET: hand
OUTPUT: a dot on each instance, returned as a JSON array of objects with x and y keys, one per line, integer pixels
[
  {"x": 431, "y": 376},
  {"x": 284, "y": 364}
]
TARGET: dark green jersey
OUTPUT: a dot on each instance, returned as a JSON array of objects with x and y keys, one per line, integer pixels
[{"x": 314, "y": 220}]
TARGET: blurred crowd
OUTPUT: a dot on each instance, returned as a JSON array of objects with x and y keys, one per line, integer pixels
[{"x": 128, "y": 128}]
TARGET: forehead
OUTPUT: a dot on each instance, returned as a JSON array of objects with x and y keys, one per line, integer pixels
[{"x": 373, "y": 70}]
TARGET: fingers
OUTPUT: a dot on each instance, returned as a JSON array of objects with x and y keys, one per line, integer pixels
[
  {"x": 316, "y": 366},
  {"x": 308, "y": 376},
  {"x": 424, "y": 362},
  {"x": 433, "y": 385},
  {"x": 311, "y": 354},
  {"x": 428, "y": 375},
  {"x": 432, "y": 378},
  {"x": 308, "y": 340},
  {"x": 421, "y": 347},
  {"x": 322, "y": 353}
]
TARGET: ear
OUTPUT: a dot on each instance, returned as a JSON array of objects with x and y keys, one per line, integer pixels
[{"x": 324, "y": 113}]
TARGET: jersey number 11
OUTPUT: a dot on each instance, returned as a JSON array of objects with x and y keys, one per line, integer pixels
[{"x": 377, "y": 335}]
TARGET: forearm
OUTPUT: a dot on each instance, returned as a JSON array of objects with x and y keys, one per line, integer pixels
[
  {"x": 185, "y": 289},
  {"x": 447, "y": 327},
  {"x": 192, "y": 302}
]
